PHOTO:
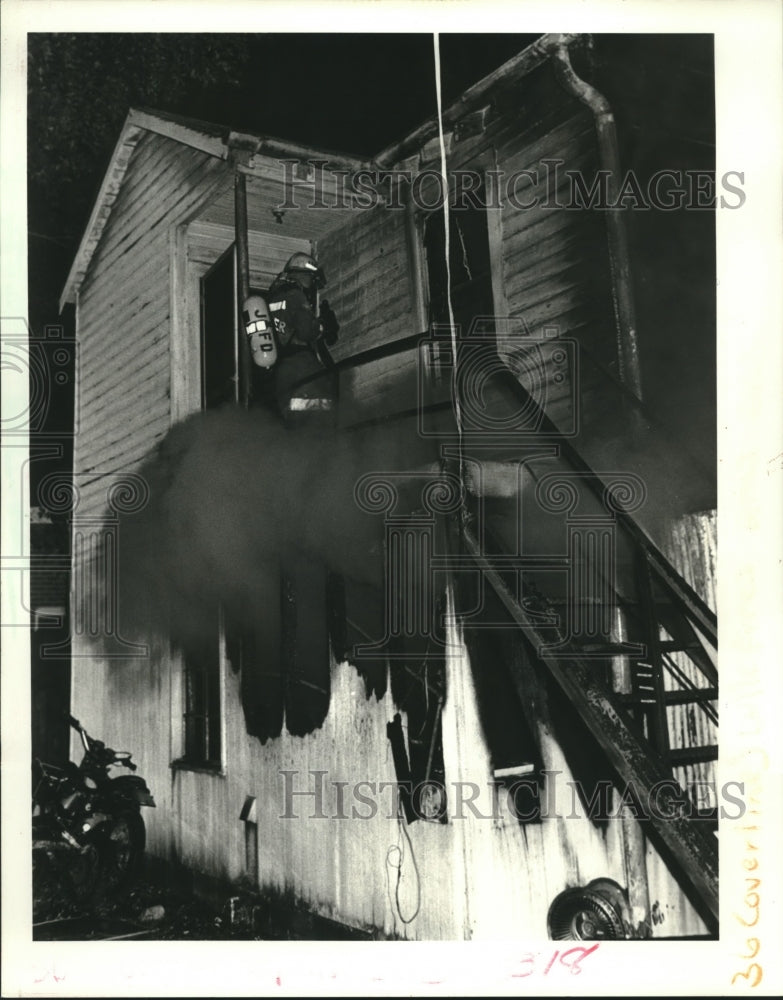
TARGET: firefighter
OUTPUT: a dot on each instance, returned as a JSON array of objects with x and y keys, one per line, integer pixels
[{"x": 303, "y": 338}]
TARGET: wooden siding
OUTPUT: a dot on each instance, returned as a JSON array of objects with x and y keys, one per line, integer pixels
[
  {"x": 480, "y": 878},
  {"x": 691, "y": 545},
  {"x": 123, "y": 379},
  {"x": 370, "y": 289},
  {"x": 123, "y": 396},
  {"x": 552, "y": 269}
]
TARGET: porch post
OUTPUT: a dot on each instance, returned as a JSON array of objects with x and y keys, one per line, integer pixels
[{"x": 243, "y": 285}]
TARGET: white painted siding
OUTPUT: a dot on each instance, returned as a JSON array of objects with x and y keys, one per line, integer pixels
[{"x": 480, "y": 878}]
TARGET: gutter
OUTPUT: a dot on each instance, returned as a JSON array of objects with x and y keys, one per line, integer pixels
[
  {"x": 555, "y": 47},
  {"x": 619, "y": 257},
  {"x": 242, "y": 146},
  {"x": 474, "y": 97}
]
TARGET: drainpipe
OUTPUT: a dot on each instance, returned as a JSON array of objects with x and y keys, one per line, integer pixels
[
  {"x": 628, "y": 357},
  {"x": 609, "y": 156}
]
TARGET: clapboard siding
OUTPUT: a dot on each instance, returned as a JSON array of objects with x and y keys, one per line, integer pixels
[
  {"x": 554, "y": 261},
  {"x": 481, "y": 877},
  {"x": 124, "y": 410},
  {"x": 142, "y": 214},
  {"x": 124, "y": 307},
  {"x": 150, "y": 324},
  {"x": 369, "y": 288},
  {"x": 136, "y": 280},
  {"x": 367, "y": 271}
]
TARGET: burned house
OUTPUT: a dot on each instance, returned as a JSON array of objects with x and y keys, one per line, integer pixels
[{"x": 445, "y": 670}]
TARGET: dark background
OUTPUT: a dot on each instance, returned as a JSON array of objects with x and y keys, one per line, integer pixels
[
  {"x": 350, "y": 93},
  {"x": 359, "y": 93}
]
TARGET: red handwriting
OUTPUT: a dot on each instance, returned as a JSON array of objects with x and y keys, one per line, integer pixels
[
  {"x": 49, "y": 975},
  {"x": 571, "y": 959}
]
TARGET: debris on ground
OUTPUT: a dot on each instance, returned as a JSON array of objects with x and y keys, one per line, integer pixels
[{"x": 163, "y": 909}]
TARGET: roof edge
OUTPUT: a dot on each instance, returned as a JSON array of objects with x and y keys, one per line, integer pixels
[
  {"x": 107, "y": 195},
  {"x": 506, "y": 75},
  {"x": 188, "y": 135},
  {"x": 213, "y": 140},
  {"x": 222, "y": 144}
]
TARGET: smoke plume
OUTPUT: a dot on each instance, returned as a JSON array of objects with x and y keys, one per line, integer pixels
[{"x": 232, "y": 493}]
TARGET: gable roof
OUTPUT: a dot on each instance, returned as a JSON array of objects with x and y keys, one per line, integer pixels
[
  {"x": 215, "y": 140},
  {"x": 220, "y": 141}
]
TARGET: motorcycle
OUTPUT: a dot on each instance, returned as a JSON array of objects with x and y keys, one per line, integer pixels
[{"x": 96, "y": 814}]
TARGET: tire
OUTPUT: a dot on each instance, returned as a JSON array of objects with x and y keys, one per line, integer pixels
[{"x": 120, "y": 843}]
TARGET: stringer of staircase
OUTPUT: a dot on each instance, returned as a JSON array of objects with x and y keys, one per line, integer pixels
[
  {"x": 632, "y": 728},
  {"x": 633, "y": 758}
]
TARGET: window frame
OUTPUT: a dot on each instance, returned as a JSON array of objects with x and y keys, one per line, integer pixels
[
  {"x": 187, "y": 397},
  {"x": 182, "y": 760},
  {"x": 230, "y": 251},
  {"x": 195, "y": 248}
]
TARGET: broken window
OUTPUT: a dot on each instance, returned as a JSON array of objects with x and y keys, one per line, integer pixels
[
  {"x": 467, "y": 288},
  {"x": 470, "y": 289}
]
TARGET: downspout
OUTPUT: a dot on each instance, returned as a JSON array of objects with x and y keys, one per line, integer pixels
[
  {"x": 634, "y": 845},
  {"x": 619, "y": 258}
]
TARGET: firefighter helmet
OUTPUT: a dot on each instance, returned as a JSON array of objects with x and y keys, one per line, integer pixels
[{"x": 302, "y": 264}]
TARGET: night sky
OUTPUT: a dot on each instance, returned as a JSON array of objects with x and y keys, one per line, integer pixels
[
  {"x": 353, "y": 93},
  {"x": 349, "y": 93},
  {"x": 358, "y": 93}
]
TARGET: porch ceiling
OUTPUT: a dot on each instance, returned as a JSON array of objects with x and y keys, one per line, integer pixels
[{"x": 267, "y": 211}]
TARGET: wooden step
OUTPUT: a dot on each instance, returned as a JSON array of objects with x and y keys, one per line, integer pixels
[
  {"x": 688, "y": 696},
  {"x": 693, "y": 755}
]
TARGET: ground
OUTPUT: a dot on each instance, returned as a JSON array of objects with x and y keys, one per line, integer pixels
[{"x": 162, "y": 906}]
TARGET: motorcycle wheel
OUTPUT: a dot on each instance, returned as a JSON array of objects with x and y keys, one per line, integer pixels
[{"x": 121, "y": 847}]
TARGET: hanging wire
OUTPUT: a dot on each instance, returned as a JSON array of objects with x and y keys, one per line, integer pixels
[
  {"x": 397, "y": 851},
  {"x": 465, "y": 263},
  {"x": 447, "y": 227}
]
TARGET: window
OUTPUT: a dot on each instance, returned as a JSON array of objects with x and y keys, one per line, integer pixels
[
  {"x": 282, "y": 654},
  {"x": 202, "y": 736},
  {"x": 219, "y": 345},
  {"x": 470, "y": 292},
  {"x": 202, "y": 660},
  {"x": 469, "y": 263}
]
